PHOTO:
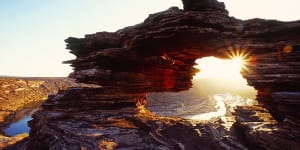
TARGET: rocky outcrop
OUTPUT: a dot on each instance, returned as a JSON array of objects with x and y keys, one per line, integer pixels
[
  {"x": 158, "y": 55},
  {"x": 276, "y": 76},
  {"x": 6, "y": 142},
  {"x": 90, "y": 125},
  {"x": 196, "y": 5},
  {"x": 260, "y": 131},
  {"x": 173, "y": 39},
  {"x": 18, "y": 93},
  {"x": 15, "y": 93}
]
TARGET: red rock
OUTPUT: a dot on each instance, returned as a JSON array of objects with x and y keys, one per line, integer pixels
[{"x": 159, "y": 55}]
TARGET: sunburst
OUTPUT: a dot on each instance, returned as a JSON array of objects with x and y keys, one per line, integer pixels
[
  {"x": 240, "y": 57},
  {"x": 231, "y": 68}
]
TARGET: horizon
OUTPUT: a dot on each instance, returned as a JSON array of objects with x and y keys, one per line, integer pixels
[{"x": 33, "y": 32}]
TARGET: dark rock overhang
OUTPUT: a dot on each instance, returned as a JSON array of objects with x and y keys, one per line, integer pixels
[
  {"x": 165, "y": 46},
  {"x": 178, "y": 37},
  {"x": 204, "y": 29}
]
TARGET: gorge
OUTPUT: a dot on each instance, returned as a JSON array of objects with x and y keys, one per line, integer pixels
[
  {"x": 20, "y": 97},
  {"x": 159, "y": 55}
]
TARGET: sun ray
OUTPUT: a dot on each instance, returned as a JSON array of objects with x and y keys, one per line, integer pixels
[
  {"x": 228, "y": 74},
  {"x": 238, "y": 58}
]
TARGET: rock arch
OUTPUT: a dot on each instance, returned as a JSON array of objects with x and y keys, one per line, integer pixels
[
  {"x": 158, "y": 55},
  {"x": 174, "y": 38}
]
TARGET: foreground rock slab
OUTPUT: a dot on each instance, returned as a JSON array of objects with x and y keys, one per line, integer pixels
[{"x": 123, "y": 124}]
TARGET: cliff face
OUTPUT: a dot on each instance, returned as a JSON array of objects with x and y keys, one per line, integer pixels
[
  {"x": 158, "y": 55},
  {"x": 15, "y": 93},
  {"x": 18, "y": 93}
]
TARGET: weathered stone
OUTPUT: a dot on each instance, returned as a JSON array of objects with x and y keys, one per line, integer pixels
[
  {"x": 158, "y": 55},
  {"x": 16, "y": 141},
  {"x": 201, "y": 5},
  {"x": 98, "y": 41},
  {"x": 15, "y": 93},
  {"x": 75, "y": 127},
  {"x": 261, "y": 131}
]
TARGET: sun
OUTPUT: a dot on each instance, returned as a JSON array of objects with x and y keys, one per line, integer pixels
[
  {"x": 239, "y": 57},
  {"x": 237, "y": 62},
  {"x": 212, "y": 67}
]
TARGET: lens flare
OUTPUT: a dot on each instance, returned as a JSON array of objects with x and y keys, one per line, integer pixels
[
  {"x": 287, "y": 49},
  {"x": 227, "y": 74},
  {"x": 212, "y": 67},
  {"x": 239, "y": 57}
]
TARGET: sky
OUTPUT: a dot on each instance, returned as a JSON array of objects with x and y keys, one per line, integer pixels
[{"x": 32, "y": 32}]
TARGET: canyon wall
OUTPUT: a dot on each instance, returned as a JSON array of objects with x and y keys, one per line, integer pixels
[{"x": 17, "y": 92}]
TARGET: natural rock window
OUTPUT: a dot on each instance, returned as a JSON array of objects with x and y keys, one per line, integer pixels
[{"x": 217, "y": 89}]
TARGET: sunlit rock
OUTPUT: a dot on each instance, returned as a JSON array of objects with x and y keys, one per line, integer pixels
[
  {"x": 158, "y": 55},
  {"x": 261, "y": 131},
  {"x": 15, "y": 93},
  {"x": 17, "y": 141}
]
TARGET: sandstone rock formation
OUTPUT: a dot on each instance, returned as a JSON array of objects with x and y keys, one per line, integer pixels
[
  {"x": 6, "y": 142},
  {"x": 18, "y": 93},
  {"x": 15, "y": 93},
  {"x": 158, "y": 55},
  {"x": 261, "y": 131}
]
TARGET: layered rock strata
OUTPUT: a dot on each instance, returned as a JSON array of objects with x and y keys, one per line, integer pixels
[
  {"x": 260, "y": 130},
  {"x": 16, "y": 93},
  {"x": 7, "y": 142},
  {"x": 158, "y": 55},
  {"x": 89, "y": 126},
  {"x": 276, "y": 76}
]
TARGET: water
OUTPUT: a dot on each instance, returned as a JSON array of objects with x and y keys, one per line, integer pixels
[
  {"x": 18, "y": 124},
  {"x": 225, "y": 103},
  {"x": 213, "y": 95},
  {"x": 18, "y": 127},
  {"x": 220, "y": 110},
  {"x": 209, "y": 98}
]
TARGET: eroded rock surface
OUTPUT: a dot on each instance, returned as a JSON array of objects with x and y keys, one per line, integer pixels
[
  {"x": 15, "y": 93},
  {"x": 6, "y": 142},
  {"x": 261, "y": 131},
  {"x": 18, "y": 95},
  {"x": 158, "y": 55},
  {"x": 124, "y": 127}
]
